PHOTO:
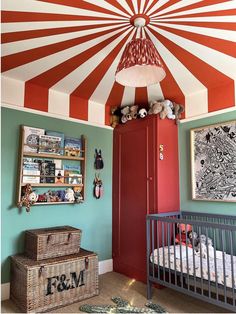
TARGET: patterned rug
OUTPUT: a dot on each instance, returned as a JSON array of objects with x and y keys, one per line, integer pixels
[{"x": 122, "y": 306}]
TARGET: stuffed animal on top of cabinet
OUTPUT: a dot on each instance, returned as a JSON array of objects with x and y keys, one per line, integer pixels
[
  {"x": 142, "y": 113},
  {"x": 155, "y": 107},
  {"x": 178, "y": 110},
  {"x": 115, "y": 117},
  {"x": 126, "y": 116},
  {"x": 134, "y": 111},
  {"x": 167, "y": 111}
]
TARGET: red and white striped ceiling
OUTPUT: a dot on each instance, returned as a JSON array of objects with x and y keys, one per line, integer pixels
[{"x": 60, "y": 56}]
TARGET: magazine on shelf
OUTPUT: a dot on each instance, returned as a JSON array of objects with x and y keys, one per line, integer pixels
[
  {"x": 58, "y": 134},
  {"x": 48, "y": 172},
  {"x": 31, "y": 137},
  {"x": 59, "y": 176},
  {"x": 73, "y": 177},
  {"x": 72, "y": 146},
  {"x": 49, "y": 144},
  {"x": 29, "y": 165},
  {"x": 31, "y": 176}
]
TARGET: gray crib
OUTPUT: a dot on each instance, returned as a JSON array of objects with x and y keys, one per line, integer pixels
[{"x": 205, "y": 272}]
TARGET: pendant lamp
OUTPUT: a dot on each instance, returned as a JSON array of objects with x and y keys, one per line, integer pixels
[{"x": 140, "y": 63}]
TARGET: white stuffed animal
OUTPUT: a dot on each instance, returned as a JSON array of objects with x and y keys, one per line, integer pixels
[
  {"x": 167, "y": 110},
  {"x": 70, "y": 195}
]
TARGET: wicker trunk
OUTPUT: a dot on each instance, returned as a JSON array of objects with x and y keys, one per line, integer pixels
[
  {"x": 52, "y": 242},
  {"x": 38, "y": 286}
]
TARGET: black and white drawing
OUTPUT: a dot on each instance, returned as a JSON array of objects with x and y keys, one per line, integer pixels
[{"x": 213, "y": 151}]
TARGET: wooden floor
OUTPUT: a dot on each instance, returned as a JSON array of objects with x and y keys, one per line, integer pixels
[{"x": 114, "y": 284}]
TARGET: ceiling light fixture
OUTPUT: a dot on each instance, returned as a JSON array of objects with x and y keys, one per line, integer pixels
[{"x": 140, "y": 64}]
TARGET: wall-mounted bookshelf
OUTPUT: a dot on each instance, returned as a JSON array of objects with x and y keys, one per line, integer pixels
[{"x": 39, "y": 179}]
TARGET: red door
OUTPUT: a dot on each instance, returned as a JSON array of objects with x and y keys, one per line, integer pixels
[{"x": 132, "y": 182}]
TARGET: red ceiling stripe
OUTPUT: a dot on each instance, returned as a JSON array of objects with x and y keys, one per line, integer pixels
[
  {"x": 114, "y": 99},
  {"x": 52, "y": 76},
  {"x": 141, "y": 96},
  {"x": 88, "y": 86},
  {"x": 224, "y": 46},
  {"x": 16, "y": 36},
  {"x": 170, "y": 88},
  {"x": 209, "y": 76},
  {"x": 36, "y": 97},
  {"x": 17, "y": 59},
  {"x": 78, "y": 108},
  {"x": 14, "y": 16},
  {"x": 164, "y": 6},
  {"x": 83, "y": 5},
  {"x": 192, "y": 6},
  {"x": 145, "y": 5},
  {"x": 150, "y": 7},
  {"x": 205, "y": 14},
  {"x": 217, "y": 25}
]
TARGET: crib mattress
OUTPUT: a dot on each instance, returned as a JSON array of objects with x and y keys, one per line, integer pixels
[{"x": 168, "y": 259}]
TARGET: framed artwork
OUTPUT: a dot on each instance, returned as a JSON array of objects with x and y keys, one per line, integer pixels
[{"x": 213, "y": 162}]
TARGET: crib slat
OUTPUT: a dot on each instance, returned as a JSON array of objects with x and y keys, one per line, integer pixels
[
  {"x": 208, "y": 266},
  {"x": 194, "y": 269},
  {"x": 163, "y": 250},
  {"x": 216, "y": 274},
  {"x": 152, "y": 242},
  {"x": 174, "y": 255},
  {"x": 158, "y": 251},
  {"x": 186, "y": 238},
  {"x": 200, "y": 232},
  {"x": 181, "y": 260},
  {"x": 168, "y": 243},
  {"x": 223, "y": 256},
  {"x": 232, "y": 266}
]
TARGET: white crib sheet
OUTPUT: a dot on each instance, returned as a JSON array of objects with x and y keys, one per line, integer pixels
[{"x": 189, "y": 262}]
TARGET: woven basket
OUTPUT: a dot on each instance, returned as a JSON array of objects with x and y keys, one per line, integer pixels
[
  {"x": 52, "y": 242},
  {"x": 38, "y": 286}
]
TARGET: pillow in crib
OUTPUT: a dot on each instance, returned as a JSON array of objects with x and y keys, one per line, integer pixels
[{"x": 183, "y": 251}]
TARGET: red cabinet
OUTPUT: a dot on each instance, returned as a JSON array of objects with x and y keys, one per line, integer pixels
[{"x": 143, "y": 183}]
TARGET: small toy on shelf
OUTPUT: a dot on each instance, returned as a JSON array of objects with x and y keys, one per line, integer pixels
[
  {"x": 126, "y": 116},
  {"x": 167, "y": 111},
  {"x": 178, "y": 110},
  {"x": 77, "y": 194},
  {"x": 183, "y": 235},
  {"x": 142, "y": 113},
  {"x": 42, "y": 198},
  {"x": 28, "y": 198},
  {"x": 115, "y": 116},
  {"x": 155, "y": 107},
  {"x": 69, "y": 195},
  {"x": 134, "y": 111}
]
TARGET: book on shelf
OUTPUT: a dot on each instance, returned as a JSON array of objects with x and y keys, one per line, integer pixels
[
  {"x": 72, "y": 146},
  {"x": 30, "y": 166},
  {"x": 72, "y": 177},
  {"x": 47, "y": 171},
  {"x": 31, "y": 176},
  {"x": 49, "y": 144},
  {"x": 58, "y": 134},
  {"x": 31, "y": 137},
  {"x": 59, "y": 176}
]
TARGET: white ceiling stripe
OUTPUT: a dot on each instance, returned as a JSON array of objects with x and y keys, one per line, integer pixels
[
  {"x": 220, "y": 61},
  {"x": 212, "y": 32},
  {"x": 185, "y": 79},
  {"x": 24, "y": 45},
  {"x": 35, "y": 68},
  {"x": 29, "y": 26},
  {"x": 142, "y": 3},
  {"x": 178, "y": 5},
  {"x": 128, "y": 96},
  {"x": 159, "y": 4},
  {"x": 154, "y": 92},
  {"x": 135, "y": 4},
  {"x": 44, "y": 7},
  {"x": 76, "y": 77},
  {"x": 143, "y": 32},
  {"x": 58, "y": 103},
  {"x": 218, "y": 19},
  {"x": 104, "y": 87},
  {"x": 138, "y": 35},
  {"x": 108, "y": 6},
  {"x": 124, "y": 4},
  {"x": 210, "y": 8},
  {"x": 13, "y": 91},
  {"x": 96, "y": 112}
]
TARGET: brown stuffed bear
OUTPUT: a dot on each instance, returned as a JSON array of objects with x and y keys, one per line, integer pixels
[
  {"x": 115, "y": 117},
  {"x": 178, "y": 110}
]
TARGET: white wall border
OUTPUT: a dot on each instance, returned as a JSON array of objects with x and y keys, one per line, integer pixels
[
  {"x": 208, "y": 115},
  {"x": 103, "y": 267},
  {"x": 53, "y": 115}
]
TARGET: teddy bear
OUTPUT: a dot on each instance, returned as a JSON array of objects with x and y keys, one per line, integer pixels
[
  {"x": 28, "y": 198},
  {"x": 134, "y": 111},
  {"x": 69, "y": 196},
  {"x": 115, "y": 117},
  {"x": 178, "y": 110},
  {"x": 126, "y": 116},
  {"x": 167, "y": 110},
  {"x": 183, "y": 235},
  {"x": 155, "y": 107},
  {"x": 142, "y": 113},
  {"x": 77, "y": 194}
]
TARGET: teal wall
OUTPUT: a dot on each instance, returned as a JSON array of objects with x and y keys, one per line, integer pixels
[
  {"x": 94, "y": 217},
  {"x": 187, "y": 203}
]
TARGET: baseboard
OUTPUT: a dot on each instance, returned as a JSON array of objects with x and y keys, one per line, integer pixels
[{"x": 103, "y": 267}]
